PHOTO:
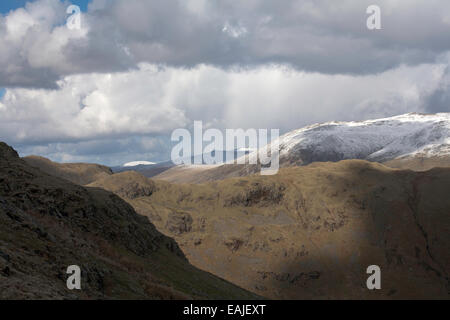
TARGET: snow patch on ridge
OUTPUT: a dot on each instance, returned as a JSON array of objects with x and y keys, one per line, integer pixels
[{"x": 403, "y": 136}]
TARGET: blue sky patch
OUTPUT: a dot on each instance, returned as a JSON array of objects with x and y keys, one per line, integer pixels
[{"x": 8, "y": 5}]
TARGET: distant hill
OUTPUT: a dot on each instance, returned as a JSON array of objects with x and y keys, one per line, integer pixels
[
  {"x": 147, "y": 170},
  {"x": 193, "y": 173},
  {"x": 48, "y": 223},
  {"x": 79, "y": 173},
  {"x": 156, "y": 169}
]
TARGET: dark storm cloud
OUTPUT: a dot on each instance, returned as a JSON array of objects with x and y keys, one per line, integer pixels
[
  {"x": 439, "y": 101},
  {"x": 319, "y": 36}
]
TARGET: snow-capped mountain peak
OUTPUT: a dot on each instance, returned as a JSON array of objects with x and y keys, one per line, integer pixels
[
  {"x": 137, "y": 163},
  {"x": 381, "y": 140}
]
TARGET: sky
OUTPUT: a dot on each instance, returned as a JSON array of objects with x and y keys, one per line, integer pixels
[
  {"x": 113, "y": 90},
  {"x": 7, "y": 5}
]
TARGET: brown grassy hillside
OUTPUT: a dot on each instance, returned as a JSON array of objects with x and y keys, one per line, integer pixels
[
  {"x": 420, "y": 163},
  {"x": 48, "y": 223},
  {"x": 311, "y": 232},
  {"x": 79, "y": 173}
]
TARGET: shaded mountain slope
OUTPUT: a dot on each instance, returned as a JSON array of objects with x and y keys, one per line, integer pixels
[
  {"x": 311, "y": 232},
  {"x": 79, "y": 173},
  {"x": 419, "y": 163},
  {"x": 47, "y": 224}
]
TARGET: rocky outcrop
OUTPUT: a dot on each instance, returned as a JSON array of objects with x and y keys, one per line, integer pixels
[
  {"x": 257, "y": 194},
  {"x": 179, "y": 222}
]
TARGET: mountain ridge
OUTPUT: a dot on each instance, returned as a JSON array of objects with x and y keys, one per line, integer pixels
[
  {"x": 377, "y": 140},
  {"x": 78, "y": 173}
]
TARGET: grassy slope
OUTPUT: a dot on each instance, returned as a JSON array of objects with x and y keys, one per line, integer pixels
[{"x": 311, "y": 232}]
